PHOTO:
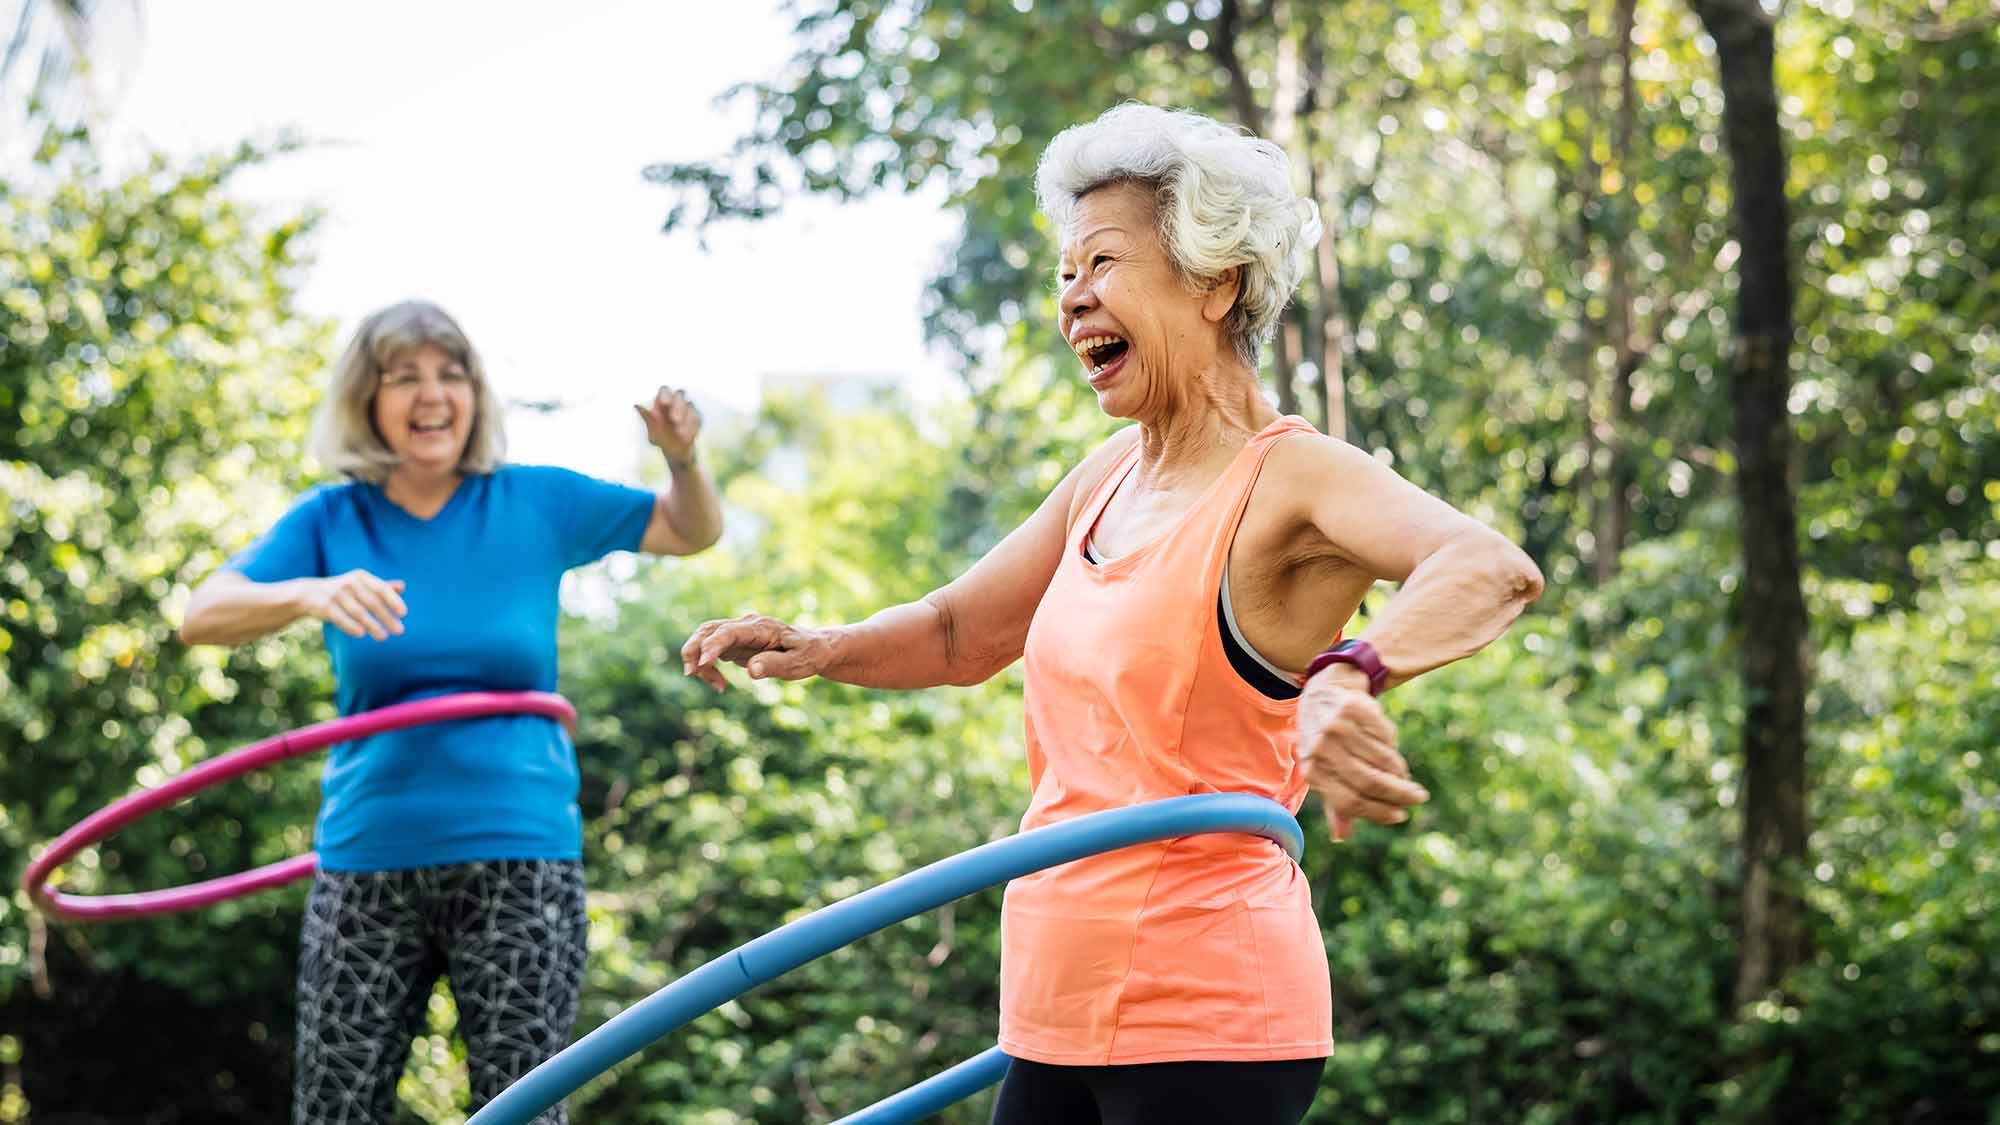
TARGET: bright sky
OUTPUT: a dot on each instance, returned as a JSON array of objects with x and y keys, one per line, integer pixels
[{"x": 487, "y": 156}]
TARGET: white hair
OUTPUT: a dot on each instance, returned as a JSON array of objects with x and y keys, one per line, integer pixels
[
  {"x": 343, "y": 436},
  {"x": 1224, "y": 198}
]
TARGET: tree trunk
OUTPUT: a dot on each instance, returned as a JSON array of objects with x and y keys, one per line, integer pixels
[
  {"x": 1591, "y": 333},
  {"x": 1331, "y": 339},
  {"x": 1283, "y": 365},
  {"x": 1773, "y": 617},
  {"x": 1227, "y": 49},
  {"x": 1332, "y": 322},
  {"x": 1285, "y": 352},
  {"x": 1621, "y": 479}
]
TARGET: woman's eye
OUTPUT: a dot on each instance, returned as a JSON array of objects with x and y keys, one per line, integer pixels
[
  {"x": 1100, "y": 260},
  {"x": 456, "y": 377}
]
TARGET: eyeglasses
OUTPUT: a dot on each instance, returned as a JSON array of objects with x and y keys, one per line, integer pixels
[{"x": 406, "y": 381}]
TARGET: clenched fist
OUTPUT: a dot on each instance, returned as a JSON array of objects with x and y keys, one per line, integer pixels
[{"x": 1348, "y": 746}]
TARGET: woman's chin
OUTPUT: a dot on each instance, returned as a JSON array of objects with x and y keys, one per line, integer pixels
[
  {"x": 1113, "y": 404},
  {"x": 1112, "y": 385}
]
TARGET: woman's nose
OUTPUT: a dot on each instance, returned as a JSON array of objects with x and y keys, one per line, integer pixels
[{"x": 1077, "y": 298}]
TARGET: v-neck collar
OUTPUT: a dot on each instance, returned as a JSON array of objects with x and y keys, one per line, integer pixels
[{"x": 457, "y": 491}]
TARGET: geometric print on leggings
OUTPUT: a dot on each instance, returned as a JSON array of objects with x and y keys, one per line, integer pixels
[{"x": 509, "y": 935}]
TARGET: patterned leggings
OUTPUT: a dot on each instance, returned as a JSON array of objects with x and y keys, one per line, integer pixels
[{"x": 508, "y": 933}]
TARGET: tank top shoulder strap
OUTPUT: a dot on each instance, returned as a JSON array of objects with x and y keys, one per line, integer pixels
[
  {"x": 1100, "y": 495},
  {"x": 1249, "y": 464},
  {"x": 1217, "y": 525}
]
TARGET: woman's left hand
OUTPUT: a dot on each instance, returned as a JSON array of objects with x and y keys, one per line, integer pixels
[
  {"x": 671, "y": 423},
  {"x": 1348, "y": 746}
]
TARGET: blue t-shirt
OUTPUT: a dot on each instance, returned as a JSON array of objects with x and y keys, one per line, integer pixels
[{"x": 481, "y": 581}]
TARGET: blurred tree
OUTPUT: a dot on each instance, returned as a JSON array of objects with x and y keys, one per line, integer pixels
[
  {"x": 1483, "y": 218},
  {"x": 153, "y": 380},
  {"x": 715, "y": 819},
  {"x": 64, "y": 43},
  {"x": 1525, "y": 298},
  {"x": 1772, "y": 923},
  {"x": 1527, "y": 287},
  {"x": 1898, "y": 352}
]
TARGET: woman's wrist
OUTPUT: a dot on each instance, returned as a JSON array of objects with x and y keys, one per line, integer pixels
[
  {"x": 1356, "y": 661},
  {"x": 838, "y": 644},
  {"x": 297, "y": 596},
  {"x": 1344, "y": 676}
]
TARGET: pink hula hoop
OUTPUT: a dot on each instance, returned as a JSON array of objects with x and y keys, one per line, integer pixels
[{"x": 118, "y": 814}]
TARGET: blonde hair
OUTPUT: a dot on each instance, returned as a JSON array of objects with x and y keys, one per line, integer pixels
[
  {"x": 343, "y": 435},
  {"x": 1224, "y": 199}
]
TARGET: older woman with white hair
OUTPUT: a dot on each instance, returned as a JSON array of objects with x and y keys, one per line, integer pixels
[
  {"x": 1178, "y": 600},
  {"x": 452, "y": 848}
]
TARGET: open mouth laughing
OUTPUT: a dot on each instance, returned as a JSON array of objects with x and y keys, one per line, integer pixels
[{"x": 1102, "y": 355}]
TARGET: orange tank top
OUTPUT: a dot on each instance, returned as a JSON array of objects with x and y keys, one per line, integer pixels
[{"x": 1199, "y": 948}]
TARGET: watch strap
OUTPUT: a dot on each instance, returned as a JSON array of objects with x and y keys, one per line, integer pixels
[{"x": 1361, "y": 655}]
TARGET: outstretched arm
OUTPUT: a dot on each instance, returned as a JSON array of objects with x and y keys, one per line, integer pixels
[{"x": 962, "y": 633}]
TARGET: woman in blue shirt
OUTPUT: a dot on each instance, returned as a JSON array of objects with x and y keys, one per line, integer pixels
[{"x": 453, "y": 848}]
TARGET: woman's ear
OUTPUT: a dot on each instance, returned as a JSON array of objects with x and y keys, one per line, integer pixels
[{"x": 1222, "y": 295}]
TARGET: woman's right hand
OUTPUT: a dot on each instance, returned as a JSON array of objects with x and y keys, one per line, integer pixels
[
  {"x": 358, "y": 603},
  {"x": 766, "y": 647}
]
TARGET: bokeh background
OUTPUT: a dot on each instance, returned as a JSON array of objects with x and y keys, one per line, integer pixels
[{"x": 1693, "y": 298}]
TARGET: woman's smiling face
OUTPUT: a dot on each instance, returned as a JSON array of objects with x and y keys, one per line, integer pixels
[
  {"x": 423, "y": 408},
  {"x": 1139, "y": 328}
]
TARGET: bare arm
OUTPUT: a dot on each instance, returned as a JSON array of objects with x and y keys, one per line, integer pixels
[
  {"x": 962, "y": 633},
  {"x": 230, "y": 609},
  {"x": 1463, "y": 584},
  {"x": 1458, "y": 600},
  {"x": 687, "y": 517},
  {"x": 968, "y": 630}
]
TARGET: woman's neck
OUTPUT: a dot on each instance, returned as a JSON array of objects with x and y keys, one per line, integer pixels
[
  {"x": 421, "y": 493},
  {"x": 1222, "y": 411}
]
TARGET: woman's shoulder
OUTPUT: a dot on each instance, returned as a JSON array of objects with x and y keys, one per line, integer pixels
[
  {"x": 545, "y": 484},
  {"x": 1308, "y": 474},
  {"x": 1089, "y": 473},
  {"x": 1306, "y": 455},
  {"x": 1107, "y": 454},
  {"x": 328, "y": 495},
  {"x": 537, "y": 476}
]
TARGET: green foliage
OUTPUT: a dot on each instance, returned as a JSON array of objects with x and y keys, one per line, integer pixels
[
  {"x": 1552, "y": 939},
  {"x": 1898, "y": 395},
  {"x": 153, "y": 374},
  {"x": 1897, "y": 1017},
  {"x": 714, "y": 819},
  {"x": 1508, "y": 221}
]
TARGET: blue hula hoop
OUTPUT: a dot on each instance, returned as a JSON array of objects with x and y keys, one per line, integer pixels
[{"x": 831, "y": 927}]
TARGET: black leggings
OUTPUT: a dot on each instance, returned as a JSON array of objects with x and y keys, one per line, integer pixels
[{"x": 1168, "y": 1093}]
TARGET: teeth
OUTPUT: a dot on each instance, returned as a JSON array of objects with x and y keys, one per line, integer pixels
[{"x": 1089, "y": 342}]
